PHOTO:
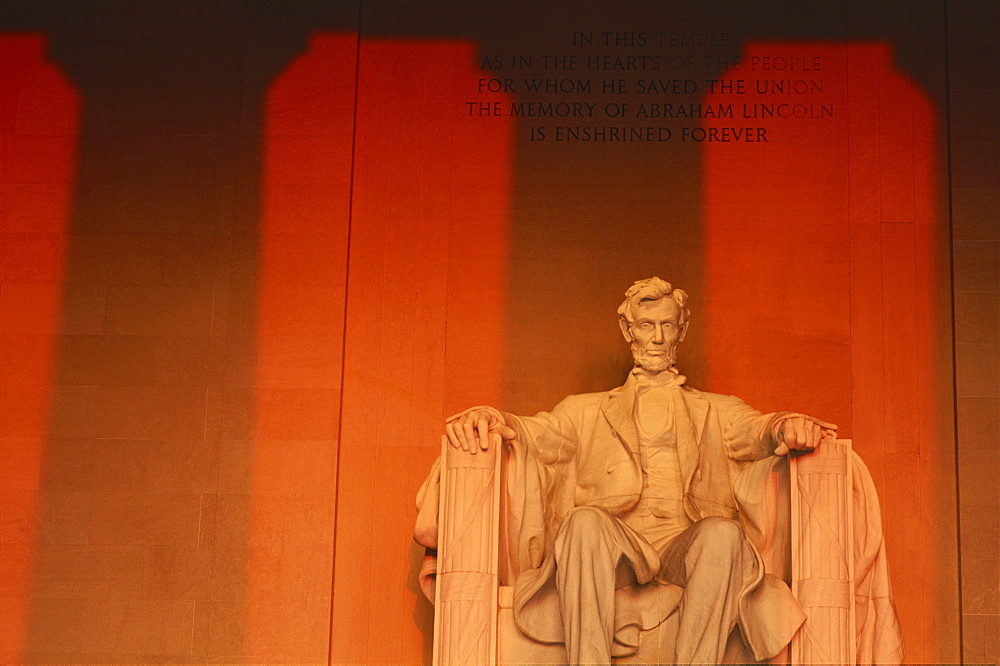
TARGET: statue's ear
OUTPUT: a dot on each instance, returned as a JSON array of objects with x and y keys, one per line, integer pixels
[
  {"x": 622, "y": 324},
  {"x": 684, "y": 331}
]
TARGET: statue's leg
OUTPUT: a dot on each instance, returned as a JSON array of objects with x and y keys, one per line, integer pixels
[
  {"x": 710, "y": 560},
  {"x": 587, "y": 555}
]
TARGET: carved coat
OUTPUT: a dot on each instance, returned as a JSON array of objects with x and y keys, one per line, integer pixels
[{"x": 585, "y": 452}]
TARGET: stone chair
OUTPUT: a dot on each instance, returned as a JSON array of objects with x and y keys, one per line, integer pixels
[{"x": 808, "y": 540}]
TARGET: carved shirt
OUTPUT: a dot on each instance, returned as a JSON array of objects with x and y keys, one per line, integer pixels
[{"x": 659, "y": 515}]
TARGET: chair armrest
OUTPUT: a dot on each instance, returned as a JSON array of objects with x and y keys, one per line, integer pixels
[
  {"x": 822, "y": 553},
  {"x": 465, "y": 617}
]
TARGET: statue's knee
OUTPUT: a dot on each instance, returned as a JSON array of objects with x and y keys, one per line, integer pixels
[
  {"x": 720, "y": 535},
  {"x": 585, "y": 520},
  {"x": 583, "y": 527}
]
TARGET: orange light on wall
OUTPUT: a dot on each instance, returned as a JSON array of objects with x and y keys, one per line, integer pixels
[
  {"x": 424, "y": 330},
  {"x": 39, "y": 126},
  {"x": 822, "y": 270},
  {"x": 382, "y": 261},
  {"x": 301, "y": 273}
]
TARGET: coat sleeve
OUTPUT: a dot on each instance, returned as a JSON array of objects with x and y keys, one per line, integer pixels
[
  {"x": 551, "y": 437},
  {"x": 747, "y": 434},
  {"x": 541, "y": 478}
]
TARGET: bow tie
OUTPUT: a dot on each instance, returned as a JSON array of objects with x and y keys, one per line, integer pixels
[{"x": 645, "y": 380}]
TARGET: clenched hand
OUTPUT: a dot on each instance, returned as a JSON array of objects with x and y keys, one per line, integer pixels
[{"x": 803, "y": 433}]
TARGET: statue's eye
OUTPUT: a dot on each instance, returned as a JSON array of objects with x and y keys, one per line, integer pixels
[{"x": 645, "y": 325}]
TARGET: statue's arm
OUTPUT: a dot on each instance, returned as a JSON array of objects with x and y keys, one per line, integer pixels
[
  {"x": 550, "y": 436},
  {"x": 751, "y": 435}
]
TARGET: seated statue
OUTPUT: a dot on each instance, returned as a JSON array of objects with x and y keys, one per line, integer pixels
[{"x": 625, "y": 511}]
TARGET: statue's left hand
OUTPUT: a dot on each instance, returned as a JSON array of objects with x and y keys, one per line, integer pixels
[
  {"x": 475, "y": 428},
  {"x": 803, "y": 433}
]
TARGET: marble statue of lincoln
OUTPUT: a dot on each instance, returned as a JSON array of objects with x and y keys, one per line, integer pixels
[{"x": 637, "y": 488}]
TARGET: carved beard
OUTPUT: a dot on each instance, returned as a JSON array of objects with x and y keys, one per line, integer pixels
[{"x": 654, "y": 363}]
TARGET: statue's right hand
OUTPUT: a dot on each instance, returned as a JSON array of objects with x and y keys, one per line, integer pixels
[{"x": 473, "y": 429}]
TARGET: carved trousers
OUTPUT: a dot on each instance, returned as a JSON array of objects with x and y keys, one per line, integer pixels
[{"x": 596, "y": 554}]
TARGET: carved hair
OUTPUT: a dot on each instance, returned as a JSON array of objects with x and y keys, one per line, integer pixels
[{"x": 652, "y": 289}]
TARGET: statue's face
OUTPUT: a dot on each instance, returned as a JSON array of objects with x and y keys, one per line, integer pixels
[{"x": 654, "y": 333}]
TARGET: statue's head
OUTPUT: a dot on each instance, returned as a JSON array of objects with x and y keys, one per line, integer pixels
[{"x": 653, "y": 319}]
